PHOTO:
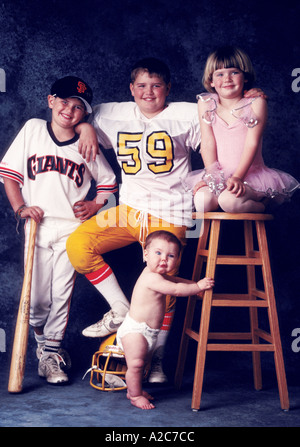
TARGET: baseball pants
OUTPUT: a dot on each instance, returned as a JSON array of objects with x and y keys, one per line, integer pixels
[{"x": 53, "y": 278}]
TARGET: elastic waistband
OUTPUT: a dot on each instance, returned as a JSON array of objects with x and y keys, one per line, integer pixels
[{"x": 143, "y": 324}]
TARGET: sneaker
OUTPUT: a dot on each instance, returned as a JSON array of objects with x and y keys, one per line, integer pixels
[
  {"x": 66, "y": 359},
  {"x": 157, "y": 374},
  {"x": 49, "y": 367},
  {"x": 39, "y": 350},
  {"x": 108, "y": 325}
]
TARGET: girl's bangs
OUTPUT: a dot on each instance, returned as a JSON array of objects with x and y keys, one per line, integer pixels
[{"x": 228, "y": 62}]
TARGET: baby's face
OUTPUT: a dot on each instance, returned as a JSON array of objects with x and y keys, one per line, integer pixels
[{"x": 161, "y": 256}]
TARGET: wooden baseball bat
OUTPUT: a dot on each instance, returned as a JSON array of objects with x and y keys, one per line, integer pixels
[{"x": 18, "y": 359}]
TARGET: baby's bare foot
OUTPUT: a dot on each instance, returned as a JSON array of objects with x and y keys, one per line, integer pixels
[
  {"x": 147, "y": 395},
  {"x": 144, "y": 393},
  {"x": 141, "y": 402}
]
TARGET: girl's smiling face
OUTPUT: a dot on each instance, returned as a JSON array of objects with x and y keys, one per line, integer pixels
[{"x": 228, "y": 82}]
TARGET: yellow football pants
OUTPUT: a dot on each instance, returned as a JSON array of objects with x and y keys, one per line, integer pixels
[{"x": 111, "y": 229}]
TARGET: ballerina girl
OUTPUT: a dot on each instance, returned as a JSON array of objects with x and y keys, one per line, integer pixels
[{"x": 235, "y": 177}]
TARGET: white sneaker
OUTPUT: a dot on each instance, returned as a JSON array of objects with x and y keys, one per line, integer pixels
[
  {"x": 66, "y": 359},
  {"x": 157, "y": 374},
  {"x": 49, "y": 367},
  {"x": 39, "y": 350},
  {"x": 108, "y": 325}
]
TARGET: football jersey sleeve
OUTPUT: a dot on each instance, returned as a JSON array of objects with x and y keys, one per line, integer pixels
[{"x": 194, "y": 135}]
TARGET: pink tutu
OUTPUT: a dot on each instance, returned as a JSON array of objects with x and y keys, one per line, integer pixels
[{"x": 273, "y": 183}]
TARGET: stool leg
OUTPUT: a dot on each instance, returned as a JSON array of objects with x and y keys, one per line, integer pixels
[
  {"x": 190, "y": 309},
  {"x": 184, "y": 342},
  {"x": 248, "y": 231},
  {"x": 273, "y": 318},
  {"x": 205, "y": 316}
]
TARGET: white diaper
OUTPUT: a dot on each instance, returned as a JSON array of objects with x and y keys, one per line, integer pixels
[{"x": 129, "y": 325}]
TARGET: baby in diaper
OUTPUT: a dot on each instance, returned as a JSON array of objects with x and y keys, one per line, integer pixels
[{"x": 138, "y": 333}]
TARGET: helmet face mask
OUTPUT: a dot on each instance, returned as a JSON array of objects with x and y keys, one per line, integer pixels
[{"x": 108, "y": 366}]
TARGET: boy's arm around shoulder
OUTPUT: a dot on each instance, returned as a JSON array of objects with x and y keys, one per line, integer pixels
[
  {"x": 88, "y": 145},
  {"x": 255, "y": 92},
  {"x": 91, "y": 131}
]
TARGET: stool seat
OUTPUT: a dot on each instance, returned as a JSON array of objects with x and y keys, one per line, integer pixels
[
  {"x": 252, "y": 259},
  {"x": 232, "y": 216}
]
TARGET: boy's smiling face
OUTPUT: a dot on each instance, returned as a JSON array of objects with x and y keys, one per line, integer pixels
[
  {"x": 66, "y": 113},
  {"x": 150, "y": 93}
]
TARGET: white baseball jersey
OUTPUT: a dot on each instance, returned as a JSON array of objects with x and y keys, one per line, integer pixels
[
  {"x": 52, "y": 174},
  {"x": 154, "y": 155}
]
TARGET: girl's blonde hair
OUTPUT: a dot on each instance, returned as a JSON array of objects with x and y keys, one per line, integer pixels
[{"x": 228, "y": 57}]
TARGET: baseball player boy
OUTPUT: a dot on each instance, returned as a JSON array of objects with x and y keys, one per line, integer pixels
[
  {"x": 46, "y": 179},
  {"x": 152, "y": 140}
]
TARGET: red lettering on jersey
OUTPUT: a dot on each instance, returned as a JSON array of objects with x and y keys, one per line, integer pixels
[
  {"x": 31, "y": 169},
  {"x": 50, "y": 163}
]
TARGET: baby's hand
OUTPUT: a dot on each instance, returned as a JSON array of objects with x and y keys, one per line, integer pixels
[
  {"x": 236, "y": 186},
  {"x": 205, "y": 284}
]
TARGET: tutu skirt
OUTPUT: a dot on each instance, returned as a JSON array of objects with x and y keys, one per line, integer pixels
[{"x": 272, "y": 183}]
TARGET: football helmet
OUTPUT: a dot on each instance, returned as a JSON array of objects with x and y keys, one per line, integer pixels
[{"x": 108, "y": 366}]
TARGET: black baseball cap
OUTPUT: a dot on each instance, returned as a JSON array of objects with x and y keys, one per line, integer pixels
[{"x": 73, "y": 87}]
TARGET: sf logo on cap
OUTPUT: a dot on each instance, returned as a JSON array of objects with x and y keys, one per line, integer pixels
[{"x": 81, "y": 87}]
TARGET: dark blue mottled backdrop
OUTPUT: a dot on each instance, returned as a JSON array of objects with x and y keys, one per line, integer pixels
[{"x": 99, "y": 40}]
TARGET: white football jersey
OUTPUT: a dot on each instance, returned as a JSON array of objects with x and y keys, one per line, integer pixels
[
  {"x": 154, "y": 155},
  {"x": 52, "y": 174}
]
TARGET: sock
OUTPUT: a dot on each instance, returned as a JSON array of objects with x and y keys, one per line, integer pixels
[
  {"x": 40, "y": 339},
  {"x": 106, "y": 283},
  {"x": 52, "y": 346},
  {"x": 163, "y": 334}
]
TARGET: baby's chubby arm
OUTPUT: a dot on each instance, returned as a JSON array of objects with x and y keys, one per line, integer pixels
[{"x": 172, "y": 285}]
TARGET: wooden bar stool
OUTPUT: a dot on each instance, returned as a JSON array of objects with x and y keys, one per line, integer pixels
[{"x": 253, "y": 299}]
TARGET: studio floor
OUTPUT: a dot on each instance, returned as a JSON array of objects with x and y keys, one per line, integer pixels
[{"x": 228, "y": 400}]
